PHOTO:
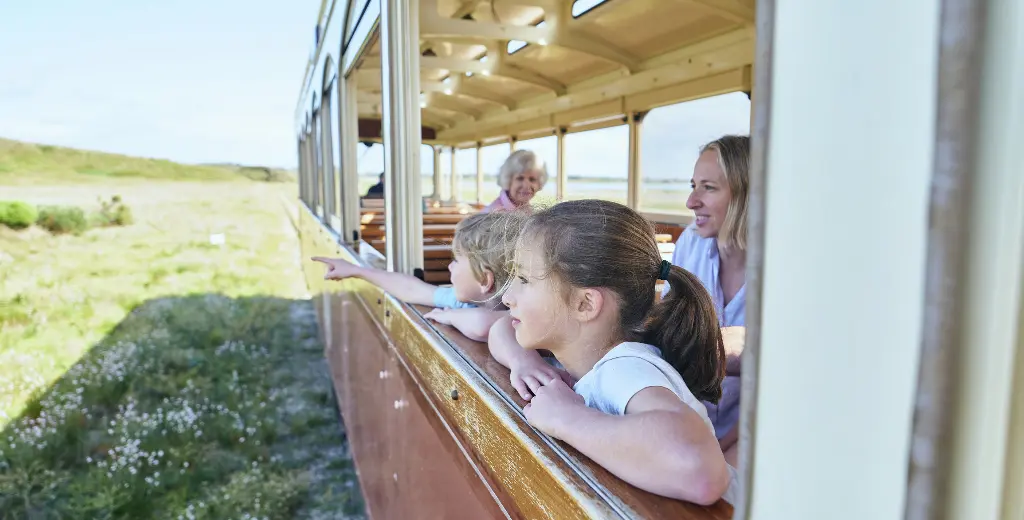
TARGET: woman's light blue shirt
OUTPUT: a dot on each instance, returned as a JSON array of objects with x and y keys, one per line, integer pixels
[{"x": 699, "y": 256}]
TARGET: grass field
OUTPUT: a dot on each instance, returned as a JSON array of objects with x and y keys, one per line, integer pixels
[{"x": 146, "y": 372}]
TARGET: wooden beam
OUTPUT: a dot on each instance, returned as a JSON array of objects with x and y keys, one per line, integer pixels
[
  {"x": 433, "y": 118},
  {"x": 498, "y": 67},
  {"x": 445, "y": 102},
  {"x": 369, "y": 129},
  {"x": 558, "y": 30},
  {"x": 727, "y": 60},
  {"x": 465, "y": 8},
  {"x": 734, "y": 10},
  {"x": 459, "y": 87},
  {"x": 560, "y": 22}
]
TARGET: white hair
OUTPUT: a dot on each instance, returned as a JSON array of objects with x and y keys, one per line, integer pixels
[{"x": 518, "y": 162}]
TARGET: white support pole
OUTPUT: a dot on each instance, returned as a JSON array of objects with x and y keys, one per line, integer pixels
[
  {"x": 815, "y": 112},
  {"x": 348, "y": 128},
  {"x": 513, "y": 144},
  {"x": 479, "y": 175},
  {"x": 401, "y": 133},
  {"x": 560, "y": 146},
  {"x": 454, "y": 195},
  {"x": 635, "y": 121},
  {"x": 436, "y": 196}
]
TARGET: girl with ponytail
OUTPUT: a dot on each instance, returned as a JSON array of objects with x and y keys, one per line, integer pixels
[{"x": 583, "y": 288}]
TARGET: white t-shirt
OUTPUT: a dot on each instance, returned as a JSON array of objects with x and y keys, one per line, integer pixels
[
  {"x": 631, "y": 367},
  {"x": 626, "y": 370}
]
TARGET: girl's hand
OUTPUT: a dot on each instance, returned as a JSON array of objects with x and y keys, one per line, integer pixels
[
  {"x": 528, "y": 372},
  {"x": 337, "y": 269},
  {"x": 552, "y": 405},
  {"x": 442, "y": 316}
]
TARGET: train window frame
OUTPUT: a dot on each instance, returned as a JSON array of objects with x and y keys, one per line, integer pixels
[
  {"x": 515, "y": 46},
  {"x": 685, "y": 164},
  {"x": 588, "y": 6},
  {"x": 589, "y": 130}
]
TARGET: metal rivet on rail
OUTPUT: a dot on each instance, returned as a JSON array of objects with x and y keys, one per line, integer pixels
[{"x": 455, "y": 394}]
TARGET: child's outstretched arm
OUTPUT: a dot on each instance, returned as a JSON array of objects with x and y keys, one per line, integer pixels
[
  {"x": 405, "y": 287},
  {"x": 528, "y": 369},
  {"x": 660, "y": 445},
  {"x": 474, "y": 323}
]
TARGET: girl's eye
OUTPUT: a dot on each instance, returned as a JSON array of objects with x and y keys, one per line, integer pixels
[{"x": 522, "y": 279}]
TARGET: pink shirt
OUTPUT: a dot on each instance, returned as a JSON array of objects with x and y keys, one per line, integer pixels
[{"x": 502, "y": 203}]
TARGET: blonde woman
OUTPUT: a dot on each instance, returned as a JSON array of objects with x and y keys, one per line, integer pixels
[
  {"x": 714, "y": 248},
  {"x": 521, "y": 176}
]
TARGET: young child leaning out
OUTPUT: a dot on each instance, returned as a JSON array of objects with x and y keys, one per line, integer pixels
[
  {"x": 479, "y": 268},
  {"x": 583, "y": 289}
]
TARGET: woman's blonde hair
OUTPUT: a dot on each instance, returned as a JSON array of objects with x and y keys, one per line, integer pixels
[
  {"x": 602, "y": 244},
  {"x": 518, "y": 162},
  {"x": 734, "y": 158}
]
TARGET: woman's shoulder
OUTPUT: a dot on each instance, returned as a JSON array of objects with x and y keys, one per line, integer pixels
[{"x": 690, "y": 246}]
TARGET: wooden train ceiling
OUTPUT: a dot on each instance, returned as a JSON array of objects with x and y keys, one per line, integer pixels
[{"x": 499, "y": 68}]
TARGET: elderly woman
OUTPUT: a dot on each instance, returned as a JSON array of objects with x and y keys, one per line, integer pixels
[
  {"x": 714, "y": 248},
  {"x": 521, "y": 176}
]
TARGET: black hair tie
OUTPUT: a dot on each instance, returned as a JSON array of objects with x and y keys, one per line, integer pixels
[{"x": 666, "y": 266}]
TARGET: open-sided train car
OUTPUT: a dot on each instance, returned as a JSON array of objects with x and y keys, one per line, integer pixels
[{"x": 883, "y": 366}]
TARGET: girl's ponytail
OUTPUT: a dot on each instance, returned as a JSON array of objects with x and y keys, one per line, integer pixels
[{"x": 685, "y": 325}]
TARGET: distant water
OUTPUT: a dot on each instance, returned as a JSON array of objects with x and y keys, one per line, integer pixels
[{"x": 582, "y": 188}]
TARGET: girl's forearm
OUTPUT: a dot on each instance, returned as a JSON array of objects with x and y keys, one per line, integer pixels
[
  {"x": 501, "y": 341},
  {"x": 650, "y": 450}
]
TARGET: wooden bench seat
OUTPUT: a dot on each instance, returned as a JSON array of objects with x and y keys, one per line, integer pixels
[{"x": 376, "y": 219}]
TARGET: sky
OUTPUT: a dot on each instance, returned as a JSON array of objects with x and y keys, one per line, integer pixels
[
  {"x": 217, "y": 81},
  {"x": 192, "y": 81}
]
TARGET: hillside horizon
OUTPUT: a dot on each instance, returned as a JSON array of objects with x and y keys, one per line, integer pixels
[{"x": 24, "y": 162}]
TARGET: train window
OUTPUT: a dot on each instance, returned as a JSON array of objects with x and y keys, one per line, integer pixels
[
  {"x": 465, "y": 165},
  {"x": 670, "y": 141},
  {"x": 515, "y": 46},
  {"x": 547, "y": 149},
  {"x": 335, "y": 136},
  {"x": 370, "y": 164},
  {"x": 445, "y": 188},
  {"x": 355, "y": 21},
  {"x": 317, "y": 164},
  {"x": 426, "y": 170},
  {"x": 302, "y": 170},
  {"x": 492, "y": 158},
  {"x": 582, "y": 7},
  {"x": 597, "y": 164},
  {"x": 329, "y": 149}
]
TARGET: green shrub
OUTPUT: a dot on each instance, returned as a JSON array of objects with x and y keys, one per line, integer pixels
[
  {"x": 17, "y": 215},
  {"x": 114, "y": 213},
  {"x": 62, "y": 219}
]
